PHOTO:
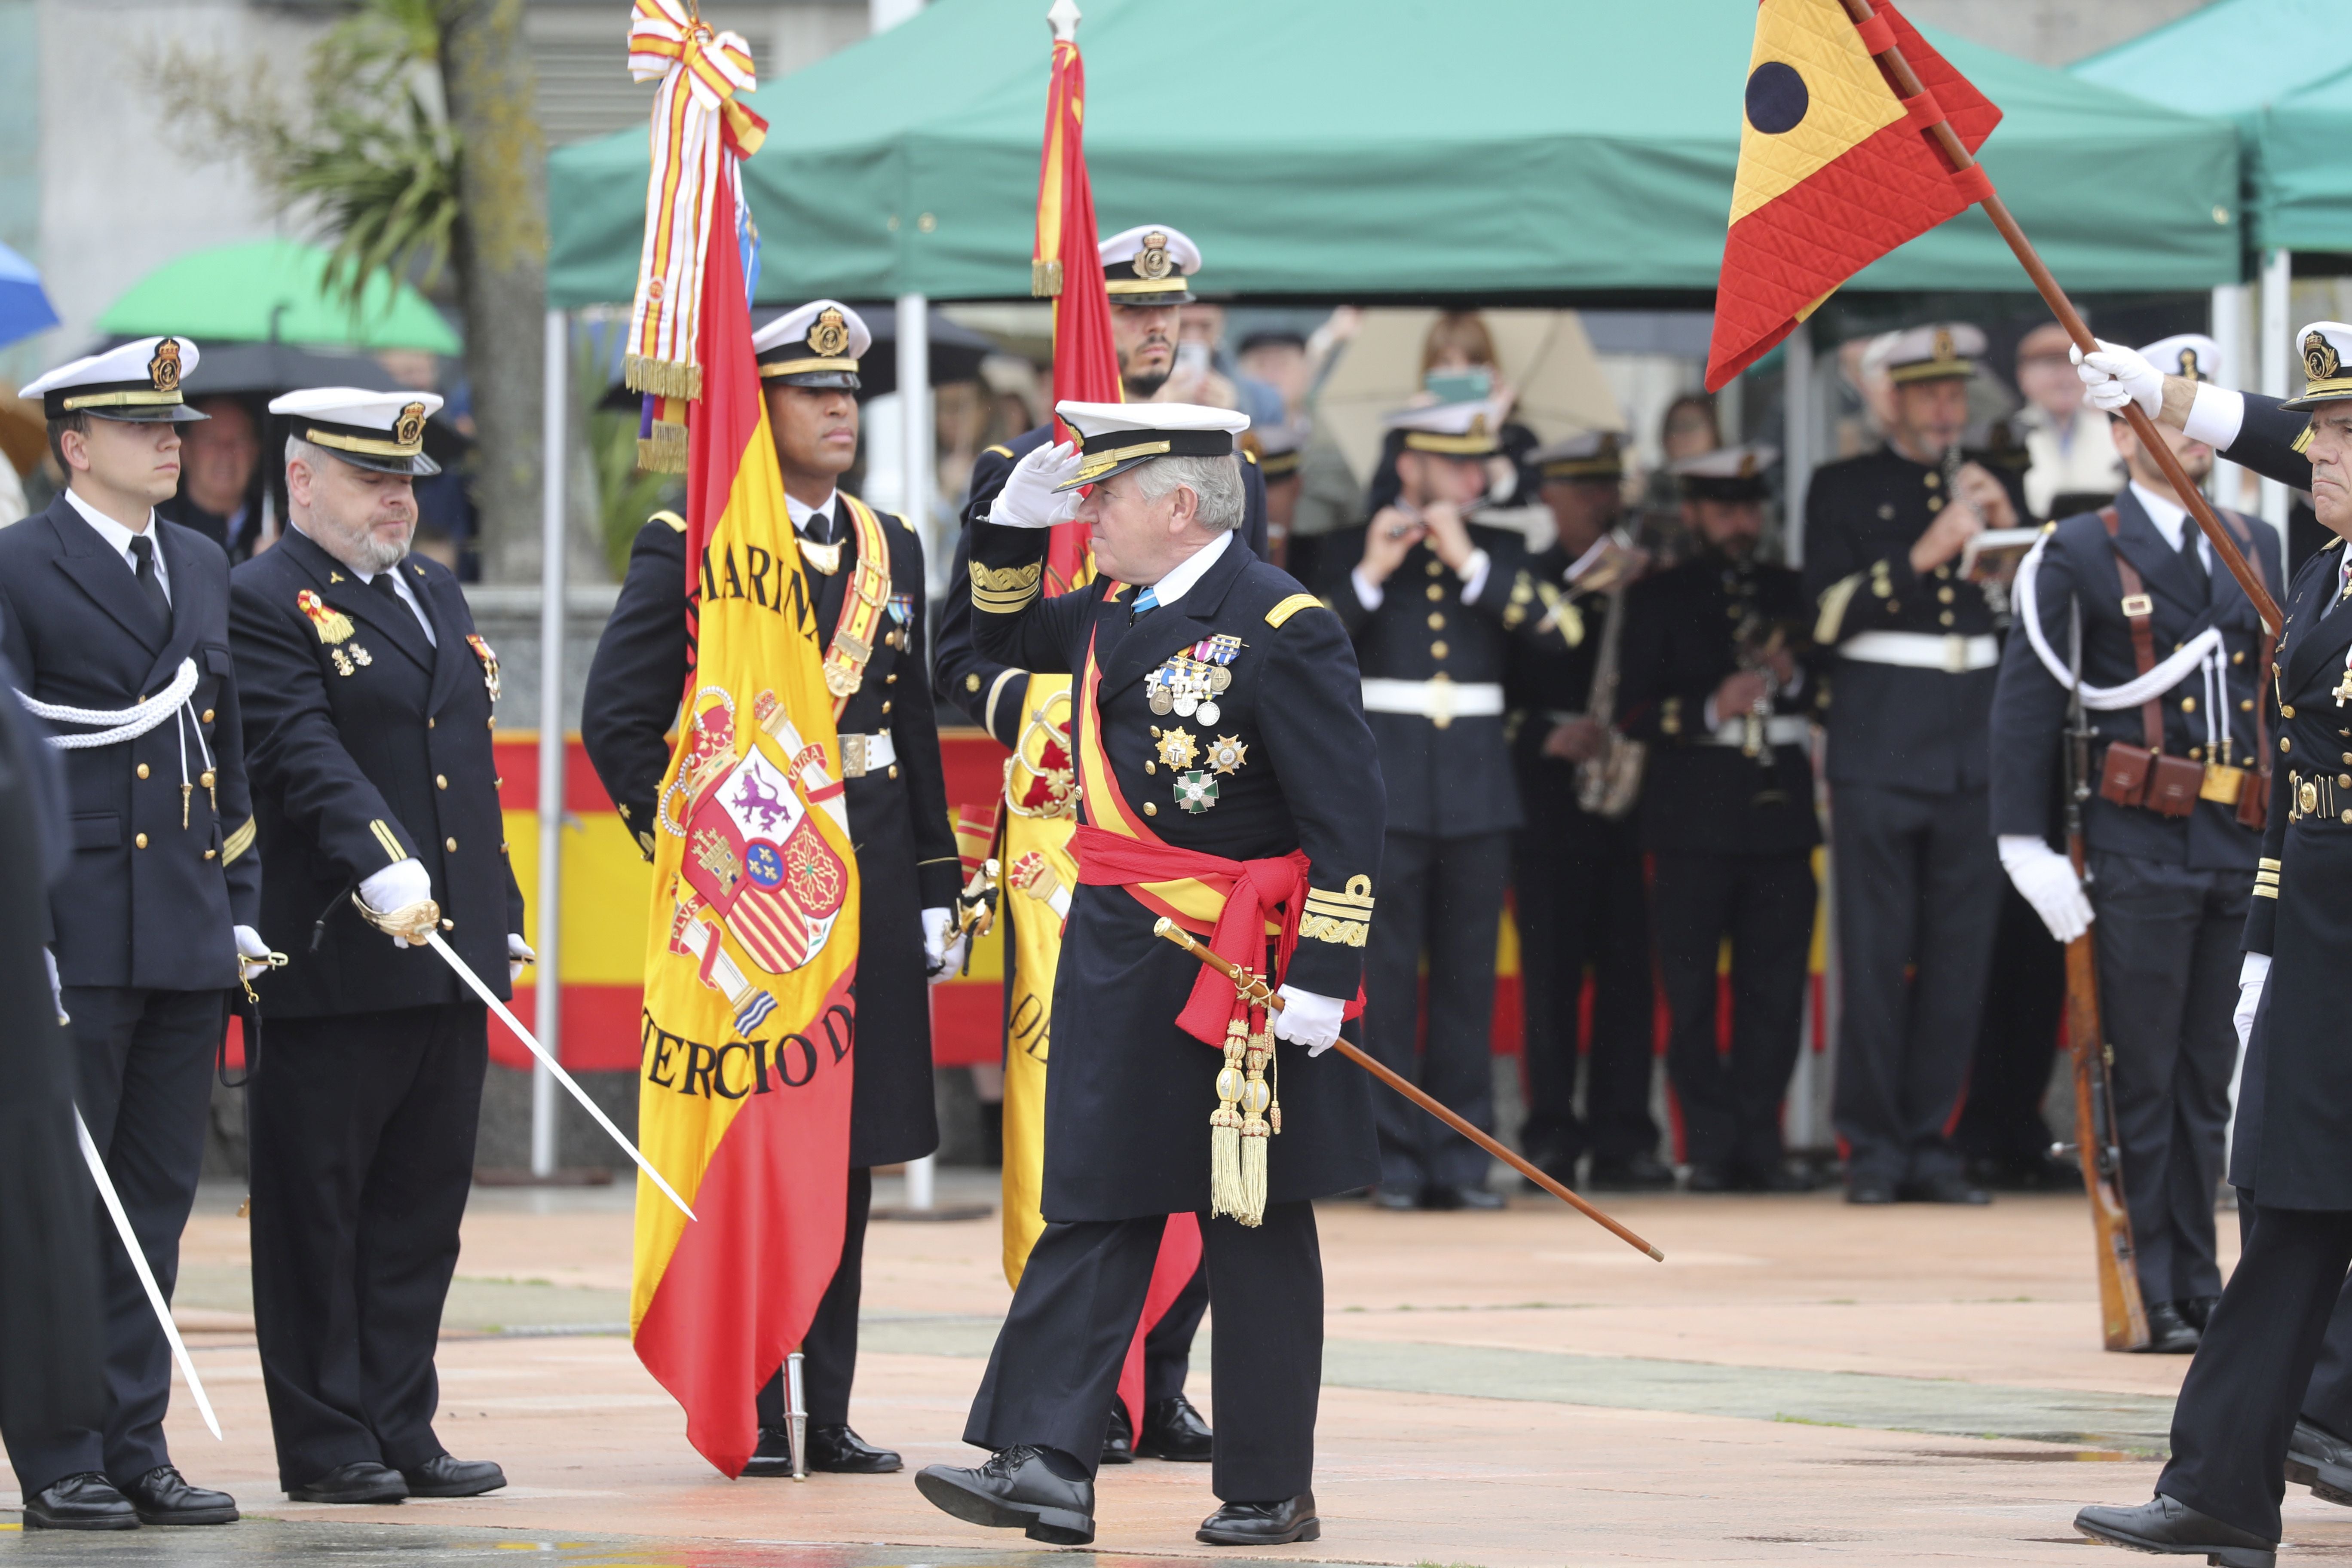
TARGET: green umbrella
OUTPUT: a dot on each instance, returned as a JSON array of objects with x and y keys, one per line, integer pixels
[{"x": 274, "y": 290}]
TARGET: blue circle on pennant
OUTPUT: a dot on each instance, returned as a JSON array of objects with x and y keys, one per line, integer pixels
[
  {"x": 1777, "y": 98},
  {"x": 764, "y": 865}
]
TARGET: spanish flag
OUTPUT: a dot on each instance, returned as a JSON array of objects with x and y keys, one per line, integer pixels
[
  {"x": 1836, "y": 168},
  {"x": 749, "y": 1017}
]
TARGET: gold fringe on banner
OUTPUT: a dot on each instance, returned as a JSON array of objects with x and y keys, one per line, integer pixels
[
  {"x": 663, "y": 451},
  {"x": 1044, "y": 280},
  {"x": 663, "y": 378}
]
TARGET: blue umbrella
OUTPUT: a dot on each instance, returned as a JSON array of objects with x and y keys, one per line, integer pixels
[{"x": 24, "y": 308}]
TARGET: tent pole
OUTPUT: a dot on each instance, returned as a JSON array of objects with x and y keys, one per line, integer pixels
[
  {"x": 1796, "y": 433},
  {"x": 2278, "y": 276},
  {"x": 547, "y": 1019},
  {"x": 917, "y": 467},
  {"x": 2227, "y": 326}
]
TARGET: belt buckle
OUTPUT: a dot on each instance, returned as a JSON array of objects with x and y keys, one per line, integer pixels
[
  {"x": 1956, "y": 653},
  {"x": 853, "y": 756},
  {"x": 1441, "y": 700}
]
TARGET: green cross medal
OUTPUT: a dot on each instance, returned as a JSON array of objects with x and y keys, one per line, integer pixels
[{"x": 1196, "y": 791}]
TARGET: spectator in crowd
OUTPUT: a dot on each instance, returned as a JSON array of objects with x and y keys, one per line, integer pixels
[
  {"x": 220, "y": 479},
  {"x": 2072, "y": 465},
  {"x": 1688, "y": 428},
  {"x": 1277, "y": 357}
]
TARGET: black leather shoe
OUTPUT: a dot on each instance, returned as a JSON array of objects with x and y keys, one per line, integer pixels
[
  {"x": 1262, "y": 1524},
  {"x": 772, "y": 1459},
  {"x": 2199, "y": 1311},
  {"x": 1015, "y": 1490},
  {"x": 87, "y": 1501},
  {"x": 837, "y": 1450},
  {"x": 2035, "y": 1172},
  {"x": 1869, "y": 1189},
  {"x": 162, "y": 1496},
  {"x": 2163, "y": 1525},
  {"x": 1469, "y": 1198},
  {"x": 1172, "y": 1429},
  {"x": 2317, "y": 1458},
  {"x": 1775, "y": 1179},
  {"x": 1118, "y": 1437},
  {"x": 1642, "y": 1173},
  {"x": 442, "y": 1475},
  {"x": 1396, "y": 1200},
  {"x": 2169, "y": 1334},
  {"x": 1949, "y": 1188},
  {"x": 1709, "y": 1178},
  {"x": 364, "y": 1481}
]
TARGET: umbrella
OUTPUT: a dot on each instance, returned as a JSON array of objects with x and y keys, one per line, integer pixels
[
  {"x": 24, "y": 308},
  {"x": 267, "y": 369},
  {"x": 269, "y": 291},
  {"x": 1545, "y": 358}
]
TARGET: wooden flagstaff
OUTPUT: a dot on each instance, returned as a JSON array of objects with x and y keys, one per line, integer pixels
[
  {"x": 1908, "y": 88},
  {"x": 1254, "y": 989}
]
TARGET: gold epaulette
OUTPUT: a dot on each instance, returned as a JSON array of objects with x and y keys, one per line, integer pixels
[
  {"x": 1291, "y": 606},
  {"x": 677, "y": 523}
]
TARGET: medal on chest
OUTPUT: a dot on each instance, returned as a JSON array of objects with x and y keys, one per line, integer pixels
[
  {"x": 1190, "y": 682},
  {"x": 483, "y": 651},
  {"x": 336, "y": 631}
]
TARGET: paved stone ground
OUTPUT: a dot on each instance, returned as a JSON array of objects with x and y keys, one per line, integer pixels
[{"x": 1798, "y": 1383}]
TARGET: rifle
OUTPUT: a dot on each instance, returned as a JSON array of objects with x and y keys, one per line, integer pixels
[{"x": 2122, "y": 1316}]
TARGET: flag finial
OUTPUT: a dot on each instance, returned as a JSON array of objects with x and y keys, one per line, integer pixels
[{"x": 1064, "y": 19}]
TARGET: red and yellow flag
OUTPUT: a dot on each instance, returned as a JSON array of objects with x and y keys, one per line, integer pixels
[
  {"x": 1836, "y": 169},
  {"x": 750, "y": 1019}
]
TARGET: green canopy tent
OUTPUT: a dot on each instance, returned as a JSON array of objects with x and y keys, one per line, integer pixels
[
  {"x": 274, "y": 290},
  {"x": 1360, "y": 149}
]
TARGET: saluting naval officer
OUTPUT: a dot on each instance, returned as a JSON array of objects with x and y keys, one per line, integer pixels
[
  {"x": 1148, "y": 272},
  {"x": 2280, "y": 1337},
  {"x": 1716, "y": 684},
  {"x": 2171, "y": 845},
  {"x": 368, "y": 720},
  {"x": 866, "y": 569},
  {"x": 117, "y": 624},
  {"x": 1578, "y": 871},
  {"x": 1228, "y": 780},
  {"x": 1919, "y": 887},
  {"x": 1425, "y": 596}
]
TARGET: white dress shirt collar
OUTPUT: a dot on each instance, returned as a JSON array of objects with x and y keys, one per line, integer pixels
[
  {"x": 801, "y": 512},
  {"x": 1180, "y": 577},
  {"x": 400, "y": 585},
  {"x": 119, "y": 538},
  {"x": 2170, "y": 517}
]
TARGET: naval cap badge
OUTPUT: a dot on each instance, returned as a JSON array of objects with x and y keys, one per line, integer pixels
[
  {"x": 409, "y": 428},
  {"x": 1152, "y": 263},
  {"x": 830, "y": 336},
  {"x": 2319, "y": 357},
  {"x": 164, "y": 370}
]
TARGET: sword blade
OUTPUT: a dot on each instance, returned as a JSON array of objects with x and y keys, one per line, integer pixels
[
  {"x": 113, "y": 1201},
  {"x": 465, "y": 972}
]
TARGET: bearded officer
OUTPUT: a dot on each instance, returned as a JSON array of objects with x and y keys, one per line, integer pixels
[
  {"x": 1227, "y": 780},
  {"x": 897, "y": 796},
  {"x": 2172, "y": 868},
  {"x": 1148, "y": 272},
  {"x": 1717, "y": 685},
  {"x": 368, "y": 719},
  {"x": 1578, "y": 873},
  {"x": 1919, "y": 887},
  {"x": 117, "y": 625},
  {"x": 2280, "y": 1337}
]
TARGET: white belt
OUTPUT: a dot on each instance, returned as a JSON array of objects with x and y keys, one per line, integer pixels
[
  {"x": 1950, "y": 653},
  {"x": 1779, "y": 729},
  {"x": 863, "y": 754},
  {"x": 1440, "y": 700}
]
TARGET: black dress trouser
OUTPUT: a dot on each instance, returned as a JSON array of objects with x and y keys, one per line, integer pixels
[
  {"x": 2238, "y": 1405},
  {"x": 1168, "y": 1348},
  {"x": 362, "y": 1130},
  {"x": 829, "y": 1352},
  {"x": 1764, "y": 903},
  {"x": 145, "y": 1064},
  {"x": 1917, "y": 890},
  {"x": 2017, "y": 1041},
  {"x": 1444, "y": 896},
  {"x": 1581, "y": 901},
  {"x": 1055, "y": 1370}
]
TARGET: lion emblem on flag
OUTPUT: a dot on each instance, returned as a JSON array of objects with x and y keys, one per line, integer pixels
[{"x": 753, "y": 854}]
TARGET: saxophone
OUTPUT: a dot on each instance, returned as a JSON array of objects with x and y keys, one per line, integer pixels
[{"x": 1609, "y": 782}]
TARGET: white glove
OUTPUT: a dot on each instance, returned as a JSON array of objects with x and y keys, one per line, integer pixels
[
  {"x": 944, "y": 945},
  {"x": 2117, "y": 376},
  {"x": 397, "y": 886},
  {"x": 2253, "y": 976},
  {"x": 254, "y": 951},
  {"x": 1307, "y": 1019},
  {"x": 518, "y": 953},
  {"x": 1030, "y": 499},
  {"x": 2048, "y": 881},
  {"x": 56, "y": 992}
]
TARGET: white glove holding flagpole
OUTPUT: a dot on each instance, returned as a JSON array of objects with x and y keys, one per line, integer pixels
[
  {"x": 2115, "y": 377},
  {"x": 113, "y": 1201},
  {"x": 465, "y": 972}
]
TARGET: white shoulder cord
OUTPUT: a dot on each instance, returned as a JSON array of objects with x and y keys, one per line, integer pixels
[
  {"x": 2132, "y": 693},
  {"x": 121, "y": 724}
]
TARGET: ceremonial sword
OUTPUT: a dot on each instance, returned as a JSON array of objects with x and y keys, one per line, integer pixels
[
  {"x": 113, "y": 1201},
  {"x": 1254, "y": 989},
  {"x": 465, "y": 974}
]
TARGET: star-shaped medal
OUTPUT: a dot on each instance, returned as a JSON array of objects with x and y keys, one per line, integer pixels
[
  {"x": 1226, "y": 753},
  {"x": 1176, "y": 748}
]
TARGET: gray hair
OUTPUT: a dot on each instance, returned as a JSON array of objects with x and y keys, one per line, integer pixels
[
  {"x": 299, "y": 450},
  {"x": 1215, "y": 483}
]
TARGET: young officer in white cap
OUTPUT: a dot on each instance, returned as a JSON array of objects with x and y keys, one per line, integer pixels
[
  {"x": 2235, "y": 1437},
  {"x": 896, "y": 793},
  {"x": 118, "y": 625},
  {"x": 2171, "y": 872},
  {"x": 369, "y": 718}
]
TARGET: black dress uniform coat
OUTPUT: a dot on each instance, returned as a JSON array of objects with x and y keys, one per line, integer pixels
[
  {"x": 897, "y": 815},
  {"x": 976, "y": 684},
  {"x": 1128, "y": 1102}
]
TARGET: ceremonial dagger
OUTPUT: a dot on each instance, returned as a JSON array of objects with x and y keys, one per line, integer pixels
[{"x": 1254, "y": 989}]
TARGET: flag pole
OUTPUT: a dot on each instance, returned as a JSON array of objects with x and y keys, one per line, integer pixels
[{"x": 1908, "y": 86}]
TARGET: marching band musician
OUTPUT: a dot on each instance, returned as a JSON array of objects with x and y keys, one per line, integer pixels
[{"x": 896, "y": 790}]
